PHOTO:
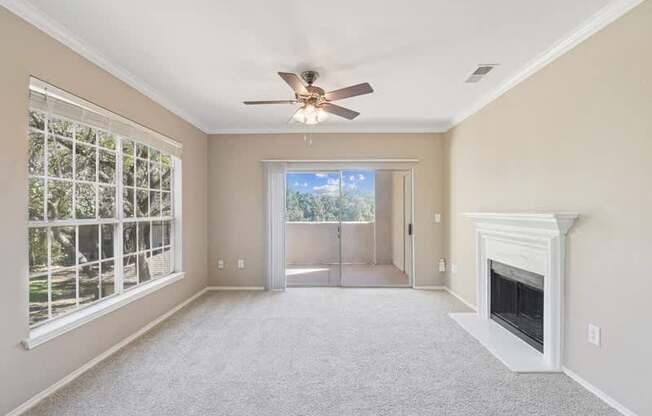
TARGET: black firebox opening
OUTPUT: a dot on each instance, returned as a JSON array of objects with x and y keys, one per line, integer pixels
[{"x": 517, "y": 302}]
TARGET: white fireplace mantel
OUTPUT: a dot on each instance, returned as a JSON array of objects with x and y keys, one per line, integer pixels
[
  {"x": 529, "y": 241},
  {"x": 559, "y": 222}
]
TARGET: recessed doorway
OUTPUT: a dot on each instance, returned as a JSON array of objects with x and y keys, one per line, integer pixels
[{"x": 349, "y": 227}]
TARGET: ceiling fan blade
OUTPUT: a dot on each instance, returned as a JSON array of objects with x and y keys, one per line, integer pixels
[
  {"x": 270, "y": 102},
  {"x": 339, "y": 111},
  {"x": 294, "y": 82},
  {"x": 352, "y": 91}
]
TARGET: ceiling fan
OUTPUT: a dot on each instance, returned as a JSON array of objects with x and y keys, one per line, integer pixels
[{"x": 315, "y": 102}]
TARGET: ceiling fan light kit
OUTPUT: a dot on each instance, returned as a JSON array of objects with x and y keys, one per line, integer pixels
[
  {"x": 310, "y": 115},
  {"x": 315, "y": 102}
]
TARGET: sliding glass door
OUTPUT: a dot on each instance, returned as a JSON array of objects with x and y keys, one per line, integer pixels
[
  {"x": 313, "y": 228},
  {"x": 349, "y": 228},
  {"x": 375, "y": 228},
  {"x": 358, "y": 236}
]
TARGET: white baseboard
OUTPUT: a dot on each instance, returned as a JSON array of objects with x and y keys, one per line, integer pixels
[
  {"x": 429, "y": 287},
  {"x": 599, "y": 393},
  {"x": 81, "y": 370},
  {"x": 211, "y": 288},
  {"x": 590, "y": 387},
  {"x": 596, "y": 391},
  {"x": 460, "y": 298}
]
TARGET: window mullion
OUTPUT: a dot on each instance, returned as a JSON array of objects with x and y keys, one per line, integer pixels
[
  {"x": 74, "y": 212},
  {"x": 49, "y": 268},
  {"x": 46, "y": 164},
  {"x": 149, "y": 208},
  {"x": 97, "y": 211},
  {"x": 46, "y": 172},
  {"x": 118, "y": 236},
  {"x": 176, "y": 201},
  {"x": 74, "y": 174},
  {"x": 100, "y": 257},
  {"x": 76, "y": 266},
  {"x": 97, "y": 178}
]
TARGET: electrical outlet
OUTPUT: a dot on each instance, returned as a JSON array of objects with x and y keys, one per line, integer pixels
[
  {"x": 240, "y": 264},
  {"x": 437, "y": 218},
  {"x": 453, "y": 268},
  {"x": 594, "y": 335},
  {"x": 220, "y": 264}
]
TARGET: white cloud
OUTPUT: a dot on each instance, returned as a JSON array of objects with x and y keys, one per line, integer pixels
[
  {"x": 300, "y": 184},
  {"x": 328, "y": 189},
  {"x": 332, "y": 187},
  {"x": 352, "y": 178},
  {"x": 361, "y": 177},
  {"x": 321, "y": 175}
]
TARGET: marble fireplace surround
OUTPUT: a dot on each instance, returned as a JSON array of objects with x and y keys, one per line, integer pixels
[{"x": 529, "y": 241}]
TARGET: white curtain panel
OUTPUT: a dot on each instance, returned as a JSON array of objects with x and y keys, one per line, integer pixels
[{"x": 275, "y": 225}]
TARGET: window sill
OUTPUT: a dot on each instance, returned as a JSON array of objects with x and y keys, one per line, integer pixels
[{"x": 67, "y": 323}]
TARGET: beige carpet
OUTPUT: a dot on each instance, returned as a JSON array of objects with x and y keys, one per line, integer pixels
[{"x": 315, "y": 351}]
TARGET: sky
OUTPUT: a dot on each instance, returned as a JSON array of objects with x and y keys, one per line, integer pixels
[{"x": 327, "y": 183}]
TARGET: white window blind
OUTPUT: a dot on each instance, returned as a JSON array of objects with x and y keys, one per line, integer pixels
[
  {"x": 275, "y": 225},
  {"x": 49, "y": 99}
]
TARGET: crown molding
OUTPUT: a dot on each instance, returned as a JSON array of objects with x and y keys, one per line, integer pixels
[
  {"x": 45, "y": 23},
  {"x": 594, "y": 24},
  {"x": 441, "y": 128}
]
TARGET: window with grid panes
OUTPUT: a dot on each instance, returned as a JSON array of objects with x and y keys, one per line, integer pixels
[{"x": 100, "y": 215}]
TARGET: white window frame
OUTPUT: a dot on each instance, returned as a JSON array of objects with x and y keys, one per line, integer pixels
[{"x": 58, "y": 325}]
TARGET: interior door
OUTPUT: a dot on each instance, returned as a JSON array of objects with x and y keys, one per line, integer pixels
[{"x": 313, "y": 228}]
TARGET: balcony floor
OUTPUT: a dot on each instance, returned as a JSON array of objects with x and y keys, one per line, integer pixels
[{"x": 352, "y": 275}]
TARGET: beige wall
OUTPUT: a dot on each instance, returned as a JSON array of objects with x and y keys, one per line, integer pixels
[
  {"x": 383, "y": 203},
  {"x": 26, "y": 51},
  {"x": 577, "y": 136},
  {"x": 236, "y": 198},
  {"x": 317, "y": 242}
]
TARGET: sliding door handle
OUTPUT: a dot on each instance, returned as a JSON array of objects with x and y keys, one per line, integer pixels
[{"x": 409, "y": 229}]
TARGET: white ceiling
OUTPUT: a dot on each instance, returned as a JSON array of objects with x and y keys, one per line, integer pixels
[{"x": 202, "y": 58}]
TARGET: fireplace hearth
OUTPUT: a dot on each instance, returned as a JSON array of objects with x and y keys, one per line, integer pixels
[{"x": 517, "y": 302}]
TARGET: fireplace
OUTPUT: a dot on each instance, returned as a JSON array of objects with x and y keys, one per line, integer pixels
[
  {"x": 520, "y": 272},
  {"x": 517, "y": 302}
]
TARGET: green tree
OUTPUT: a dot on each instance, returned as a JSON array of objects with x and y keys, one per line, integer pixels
[{"x": 303, "y": 206}]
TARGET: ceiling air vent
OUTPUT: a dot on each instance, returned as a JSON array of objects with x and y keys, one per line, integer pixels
[{"x": 480, "y": 72}]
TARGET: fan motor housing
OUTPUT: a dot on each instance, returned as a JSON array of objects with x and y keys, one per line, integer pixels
[{"x": 310, "y": 76}]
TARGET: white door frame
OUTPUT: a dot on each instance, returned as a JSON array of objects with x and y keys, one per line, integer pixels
[
  {"x": 413, "y": 275},
  {"x": 408, "y": 218}
]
